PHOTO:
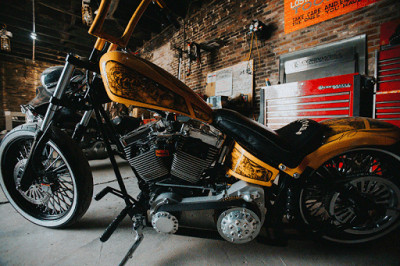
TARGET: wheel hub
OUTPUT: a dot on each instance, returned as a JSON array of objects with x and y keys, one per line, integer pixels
[{"x": 36, "y": 193}]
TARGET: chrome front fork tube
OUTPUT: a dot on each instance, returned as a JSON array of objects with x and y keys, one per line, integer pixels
[
  {"x": 80, "y": 128},
  {"x": 33, "y": 166},
  {"x": 58, "y": 93},
  {"x": 86, "y": 118}
]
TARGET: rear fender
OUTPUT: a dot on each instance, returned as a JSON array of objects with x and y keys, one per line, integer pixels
[{"x": 346, "y": 134}]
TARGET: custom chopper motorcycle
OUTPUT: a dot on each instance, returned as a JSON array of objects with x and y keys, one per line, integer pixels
[{"x": 340, "y": 178}]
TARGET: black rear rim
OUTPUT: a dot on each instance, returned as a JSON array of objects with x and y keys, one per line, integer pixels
[{"x": 354, "y": 197}]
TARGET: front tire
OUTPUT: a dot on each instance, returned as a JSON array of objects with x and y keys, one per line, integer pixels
[
  {"x": 62, "y": 195},
  {"x": 353, "y": 197}
]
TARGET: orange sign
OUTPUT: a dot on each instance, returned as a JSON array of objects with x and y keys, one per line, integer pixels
[{"x": 303, "y": 13}]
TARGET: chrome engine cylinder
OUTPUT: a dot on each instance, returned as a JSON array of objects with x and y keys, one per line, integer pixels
[
  {"x": 188, "y": 163},
  {"x": 148, "y": 165}
]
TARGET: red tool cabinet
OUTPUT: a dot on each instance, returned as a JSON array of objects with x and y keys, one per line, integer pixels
[
  {"x": 387, "y": 89},
  {"x": 318, "y": 99}
]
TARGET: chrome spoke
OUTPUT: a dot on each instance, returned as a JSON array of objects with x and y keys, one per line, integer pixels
[
  {"x": 47, "y": 155},
  {"x": 60, "y": 169},
  {"x": 50, "y": 165},
  {"x": 53, "y": 193}
]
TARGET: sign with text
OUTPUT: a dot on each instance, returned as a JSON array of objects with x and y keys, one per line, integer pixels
[
  {"x": 303, "y": 13},
  {"x": 232, "y": 81},
  {"x": 319, "y": 60}
]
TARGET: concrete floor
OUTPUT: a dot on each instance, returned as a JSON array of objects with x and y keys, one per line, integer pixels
[{"x": 23, "y": 243}]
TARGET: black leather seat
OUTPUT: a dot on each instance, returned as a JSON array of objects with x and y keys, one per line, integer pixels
[{"x": 287, "y": 145}]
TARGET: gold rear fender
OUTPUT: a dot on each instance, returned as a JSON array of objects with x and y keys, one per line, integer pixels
[
  {"x": 343, "y": 134},
  {"x": 346, "y": 134}
]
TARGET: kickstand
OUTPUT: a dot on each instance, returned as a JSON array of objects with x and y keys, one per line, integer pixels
[{"x": 138, "y": 226}]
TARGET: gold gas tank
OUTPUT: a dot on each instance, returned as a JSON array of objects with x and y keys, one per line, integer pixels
[{"x": 131, "y": 80}]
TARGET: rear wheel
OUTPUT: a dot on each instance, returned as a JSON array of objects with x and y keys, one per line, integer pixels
[
  {"x": 57, "y": 198},
  {"x": 353, "y": 197}
]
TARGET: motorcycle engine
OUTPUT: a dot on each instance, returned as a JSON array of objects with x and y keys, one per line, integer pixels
[{"x": 171, "y": 149}]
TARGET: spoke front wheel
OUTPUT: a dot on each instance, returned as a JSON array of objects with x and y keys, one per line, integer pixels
[{"x": 62, "y": 193}]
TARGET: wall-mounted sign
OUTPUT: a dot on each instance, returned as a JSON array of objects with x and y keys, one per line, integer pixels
[
  {"x": 327, "y": 60},
  {"x": 223, "y": 83},
  {"x": 303, "y": 13},
  {"x": 319, "y": 60},
  {"x": 231, "y": 81}
]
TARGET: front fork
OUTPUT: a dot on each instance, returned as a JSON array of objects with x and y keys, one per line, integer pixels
[
  {"x": 81, "y": 127},
  {"x": 33, "y": 162},
  {"x": 58, "y": 93},
  {"x": 34, "y": 167}
]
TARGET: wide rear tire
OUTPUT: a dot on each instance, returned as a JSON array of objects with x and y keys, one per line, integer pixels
[
  {"x": 353, "y": 197},
  {"x": 60, "y": 197}
]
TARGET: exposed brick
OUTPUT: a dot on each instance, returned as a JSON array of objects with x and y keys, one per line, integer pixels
[
  {"x": 326, "y": 39},
  {"x": 229, "y": 20},
  {"x": 18, "y": 81}
]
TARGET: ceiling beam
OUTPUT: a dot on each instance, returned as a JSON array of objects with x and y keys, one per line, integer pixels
[
  {"x": 27, "y": 55},
  {"x": 59, "y": 10},
  {"x": 41, "y": 25},
  {"x": 79, "y": 16},
  {"x": 49, "y": 36},
  {"x": 39, "y": 46},
  {"x": 23, "y": 12},
  {"x": 124, "y": 22},
  {"x": 38, "y": 51},
  {"x": 24, "y": 58},
  {"x": 90, "y": 38},
  {"x": 56, "y": 45}
]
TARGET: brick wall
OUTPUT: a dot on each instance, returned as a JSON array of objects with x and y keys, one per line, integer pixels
[
  {"x": 229, "y": 21},
  {"x": 18, "y": 81}
]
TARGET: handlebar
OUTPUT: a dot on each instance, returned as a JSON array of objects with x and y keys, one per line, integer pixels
[{"x": 97, "y": 27}]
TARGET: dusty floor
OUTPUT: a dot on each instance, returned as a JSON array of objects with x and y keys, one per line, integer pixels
[{"x": 23, "y": 243}]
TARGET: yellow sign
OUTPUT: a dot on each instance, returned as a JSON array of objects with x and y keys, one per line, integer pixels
[{"x": 303, "y": 13}]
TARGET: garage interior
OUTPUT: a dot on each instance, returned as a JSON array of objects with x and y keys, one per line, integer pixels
[{"x": 262, "y": 59}]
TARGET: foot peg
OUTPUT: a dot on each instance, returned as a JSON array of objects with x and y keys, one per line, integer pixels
[
  {"x": 138, "y": 225},
  {"x": 107, "y": 190},
  {"x": 102, "y": 193}
]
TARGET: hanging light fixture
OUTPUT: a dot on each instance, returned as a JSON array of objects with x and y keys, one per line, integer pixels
[
  {"x": 5, "y": 38},
  {"x": 87, "y": 13},
  {"x": 33, "y": 33}
]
